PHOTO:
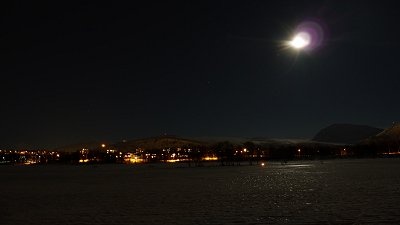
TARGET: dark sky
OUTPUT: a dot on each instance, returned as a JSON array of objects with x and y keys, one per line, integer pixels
[{"x": 72, "y": 72}]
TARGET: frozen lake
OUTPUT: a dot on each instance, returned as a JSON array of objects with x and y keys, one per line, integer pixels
[{"x": 306, "y": 192}]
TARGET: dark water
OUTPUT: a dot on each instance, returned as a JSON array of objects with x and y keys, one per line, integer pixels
[{"x": 335, "y": 192}]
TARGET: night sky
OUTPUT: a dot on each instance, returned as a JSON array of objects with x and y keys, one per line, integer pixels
[{"x": 73, "y": 72}]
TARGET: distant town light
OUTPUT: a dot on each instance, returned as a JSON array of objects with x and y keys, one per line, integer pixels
[
  {"x": 103, "y": 145},
  {"x": 208, "y": 158}
]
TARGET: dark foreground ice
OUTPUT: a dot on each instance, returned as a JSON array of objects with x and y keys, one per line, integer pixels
[{"x": 304, "y": 192}]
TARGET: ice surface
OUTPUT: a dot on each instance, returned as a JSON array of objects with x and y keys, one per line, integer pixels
[{"x": 303, "y": 192}]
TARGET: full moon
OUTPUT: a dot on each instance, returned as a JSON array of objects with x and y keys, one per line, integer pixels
[{"x": 300, "y": 40}]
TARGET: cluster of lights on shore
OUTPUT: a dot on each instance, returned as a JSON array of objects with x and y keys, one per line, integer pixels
[{"x": 173, "y": 160}]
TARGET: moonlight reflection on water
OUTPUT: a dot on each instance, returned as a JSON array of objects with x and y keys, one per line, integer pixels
[{"x": 333, "y": 192}]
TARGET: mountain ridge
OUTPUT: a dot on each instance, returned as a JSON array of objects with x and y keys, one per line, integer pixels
[{"x": 346, "y": 133}]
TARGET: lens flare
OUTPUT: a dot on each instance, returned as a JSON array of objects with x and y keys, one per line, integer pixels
[{"x": 308, "y": 36}]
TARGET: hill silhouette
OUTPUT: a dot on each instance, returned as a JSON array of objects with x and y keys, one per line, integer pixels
[
  {"x": 393, "y": 131},
  {"x": 346, "y": 133}
]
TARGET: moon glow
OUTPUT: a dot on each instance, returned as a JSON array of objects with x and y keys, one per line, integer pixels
[
  {"x": 301, "y": 40},
  {"x": 308, "y": 36}
]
